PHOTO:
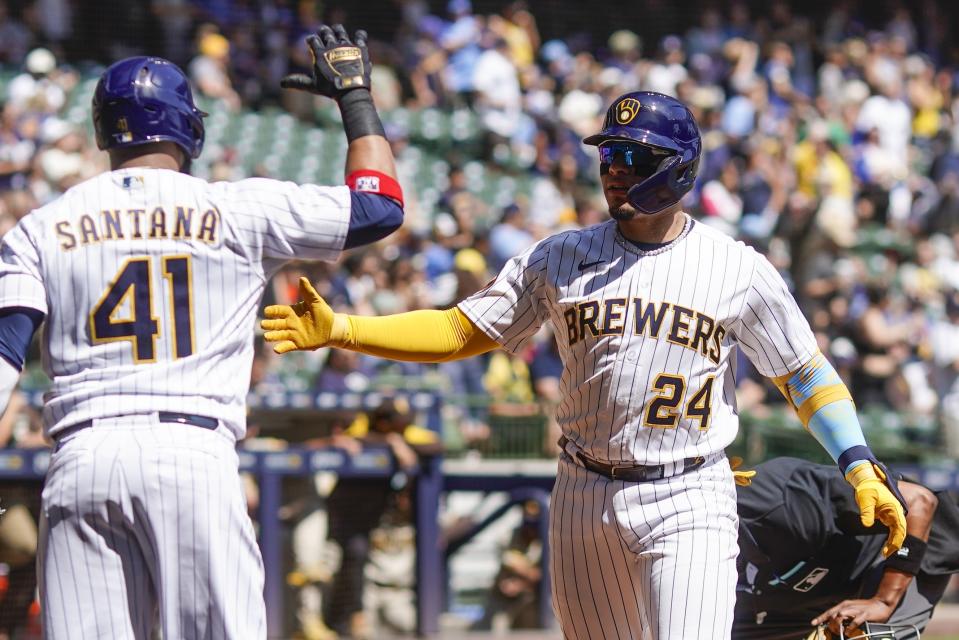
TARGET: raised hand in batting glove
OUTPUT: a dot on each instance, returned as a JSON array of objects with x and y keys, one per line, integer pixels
[
  {"x": 339, "y": 64},
  {"x": 307, "y": 325}
]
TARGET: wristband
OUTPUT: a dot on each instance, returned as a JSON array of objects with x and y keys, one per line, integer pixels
[
  {"x": 909, "y": 557},
  {"x": 369, "y": 181},
  {"x": 359, "y": 115},
  {"x": 857, "y": 453}
]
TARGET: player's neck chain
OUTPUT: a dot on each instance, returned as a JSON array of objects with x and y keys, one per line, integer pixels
[{"x": 629, "y": 246}]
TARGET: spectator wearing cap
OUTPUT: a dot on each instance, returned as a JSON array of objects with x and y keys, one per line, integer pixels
[
  {"x": 209, "y": 70},
  {"x": 37, "y": 89},
  {"x": 625, "y": 50}
]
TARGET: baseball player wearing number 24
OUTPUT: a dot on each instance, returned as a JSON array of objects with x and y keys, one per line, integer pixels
[
  {"x": 148, "y": 280},
  {"x": 649, "y": 310}
]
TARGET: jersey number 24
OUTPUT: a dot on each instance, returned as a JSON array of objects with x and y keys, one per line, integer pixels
[{"x": 132, "y": 288}]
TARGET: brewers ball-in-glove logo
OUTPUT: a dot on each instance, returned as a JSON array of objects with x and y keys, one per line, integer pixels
[{"x": 627, "y": 110}]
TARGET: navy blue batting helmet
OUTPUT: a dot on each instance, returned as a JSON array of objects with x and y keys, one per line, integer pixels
[
  {"x": 146, "y": 99},
  {"x": 664, "y": 123}
]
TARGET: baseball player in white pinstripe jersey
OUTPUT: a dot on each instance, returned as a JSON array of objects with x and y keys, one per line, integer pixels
[
  {"x": 649, "y": 310},
  {"x": 148, "y": 280}
]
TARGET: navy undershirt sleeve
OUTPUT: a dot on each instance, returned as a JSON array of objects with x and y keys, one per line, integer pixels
[
  {"x": 17, "y": 326},
  {"x": 372, "y": 218}
]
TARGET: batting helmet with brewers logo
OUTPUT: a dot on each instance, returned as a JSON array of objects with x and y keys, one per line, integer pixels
[
  {"x": 146, "y": 99},
  {"x": 667, "y": 131}
]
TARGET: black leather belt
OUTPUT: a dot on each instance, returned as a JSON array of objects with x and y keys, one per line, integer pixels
[
  {"x": 185, "y": 418},
  {"x": 631, "y": 472},
  {"x": 164, "y": 416}
]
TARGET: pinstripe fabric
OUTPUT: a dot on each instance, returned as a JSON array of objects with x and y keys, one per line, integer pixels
[
  {"x": 259, "y": 225},
  {"x": 650, "y": 561},
  {"x": 649, "y": 342},
  {"x": 141, "y": 523},
  {"x": 608, "y": 379},
  {"x": 146, "y": 522}
]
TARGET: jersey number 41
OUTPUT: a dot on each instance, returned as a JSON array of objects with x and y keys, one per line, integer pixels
[{"x": 132, "y": 289}]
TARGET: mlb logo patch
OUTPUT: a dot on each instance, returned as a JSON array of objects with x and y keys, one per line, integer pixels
[
  {"x": 130, "y": 182},
  {"x": 368, "y": 183},
  {"x": 811, "y": 580}
]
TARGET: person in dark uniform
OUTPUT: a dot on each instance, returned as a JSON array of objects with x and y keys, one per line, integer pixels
[{"x": 806, "y": 559}]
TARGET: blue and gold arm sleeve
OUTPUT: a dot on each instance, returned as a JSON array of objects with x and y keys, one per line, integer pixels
[{"x": 827, "y": 411}]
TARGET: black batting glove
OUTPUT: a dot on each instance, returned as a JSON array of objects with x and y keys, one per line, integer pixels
[{"x": 339, "y": 64}]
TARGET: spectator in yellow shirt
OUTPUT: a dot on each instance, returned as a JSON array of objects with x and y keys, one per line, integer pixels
[{"x": 820, "y": 170}]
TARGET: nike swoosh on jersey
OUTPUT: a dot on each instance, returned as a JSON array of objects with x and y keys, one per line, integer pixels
[{"x": 586, "y": 265}]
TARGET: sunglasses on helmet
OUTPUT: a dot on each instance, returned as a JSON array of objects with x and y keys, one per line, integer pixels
[{"x": 643, "y": 158}]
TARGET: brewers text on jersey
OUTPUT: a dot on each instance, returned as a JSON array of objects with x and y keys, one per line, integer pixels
[{"x": 613, "y": 316}]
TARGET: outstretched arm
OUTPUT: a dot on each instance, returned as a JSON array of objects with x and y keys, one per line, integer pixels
[
  {"x": 899, "y": 570},
  {"x": 416, "y": 336},
  {"x": 826, "y": 409}
]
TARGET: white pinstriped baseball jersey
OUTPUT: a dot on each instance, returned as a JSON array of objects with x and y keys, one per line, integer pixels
[
  {"x": 151, "y": 279},
  {"x": 648, "y": 338}
]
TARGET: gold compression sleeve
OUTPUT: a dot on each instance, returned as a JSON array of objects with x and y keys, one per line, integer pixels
[
  {"x": 417, "y": 336},
  {"x": 812, "y": 387}
]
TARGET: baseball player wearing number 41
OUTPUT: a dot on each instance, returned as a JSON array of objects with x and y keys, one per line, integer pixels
[
  {"x": 148, "y": 280},
  {"x": 649, "y": 310}
]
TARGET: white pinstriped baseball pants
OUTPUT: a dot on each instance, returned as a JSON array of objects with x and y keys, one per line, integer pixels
[
  {"x": 145, "y": 523},
  {"x": 644, "y": 561}
]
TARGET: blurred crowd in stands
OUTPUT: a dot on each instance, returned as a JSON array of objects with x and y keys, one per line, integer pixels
[{"x": 831, "y": 144}]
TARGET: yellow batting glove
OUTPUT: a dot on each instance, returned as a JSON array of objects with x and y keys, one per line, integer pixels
[
  {"x": 742, "y": 478},
  {"x": 307, "y": 325},
  {"x": 875, "y": 500}
]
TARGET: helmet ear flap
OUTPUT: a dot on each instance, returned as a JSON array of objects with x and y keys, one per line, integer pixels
[
  {"x": 685, "y": 174},
  {"x": 666, "y": 187}
]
